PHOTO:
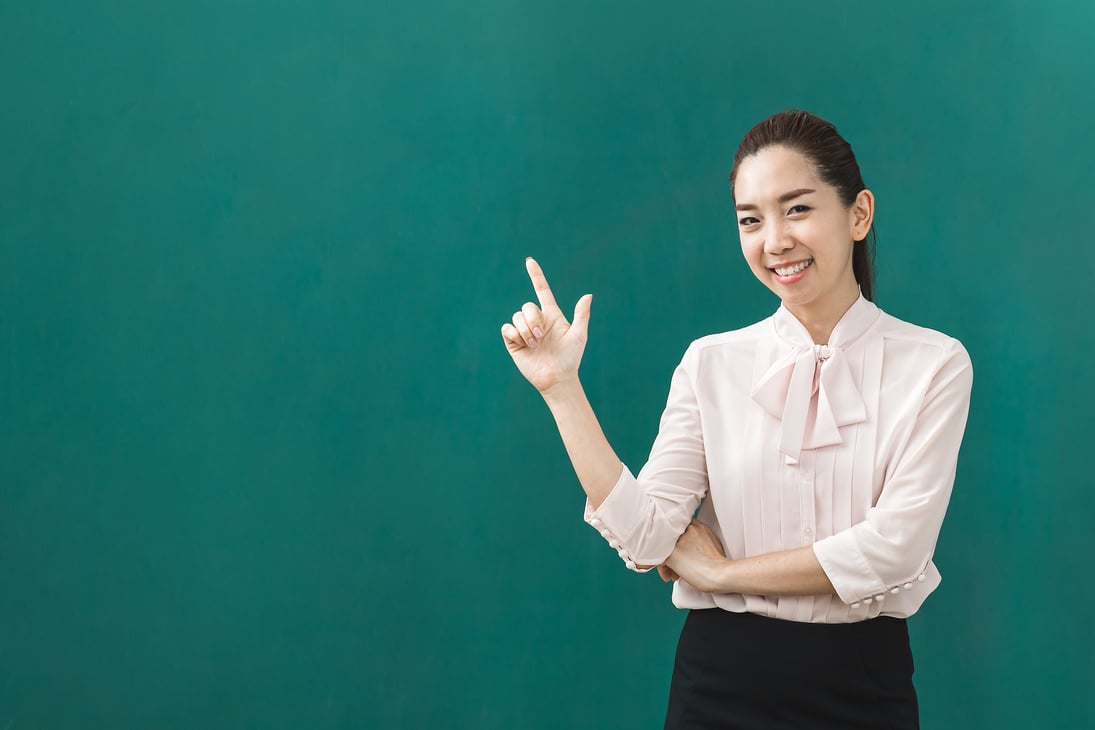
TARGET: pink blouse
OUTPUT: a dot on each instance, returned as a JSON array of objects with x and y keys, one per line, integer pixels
[{"x": 850, "y": 447}]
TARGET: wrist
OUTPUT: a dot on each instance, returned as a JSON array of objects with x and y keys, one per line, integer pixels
[
  {"x": 564, "y": 393},
  {"x": 720, "y": 575}
]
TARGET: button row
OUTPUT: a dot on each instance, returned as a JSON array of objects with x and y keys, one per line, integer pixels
[
  {"x": 895, "y": 590},
  {"x": 614, "y": 543}
]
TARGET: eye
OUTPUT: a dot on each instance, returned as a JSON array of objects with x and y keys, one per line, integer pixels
[
  {"x": 796, "y": 207},
  {"x": 745, "y": 221}
]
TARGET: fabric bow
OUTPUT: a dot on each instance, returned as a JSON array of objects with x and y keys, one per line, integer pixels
[{"x": 812, "y": 392}]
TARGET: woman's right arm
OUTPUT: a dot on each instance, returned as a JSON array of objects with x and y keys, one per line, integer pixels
[
  {"x": 640, "y": 517},
  {"x": 548, "y": 350}
]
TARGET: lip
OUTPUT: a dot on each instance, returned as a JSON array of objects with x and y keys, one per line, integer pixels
[
  {"x": 792, "y": 279},
  {"x": 789, "y": 263}
]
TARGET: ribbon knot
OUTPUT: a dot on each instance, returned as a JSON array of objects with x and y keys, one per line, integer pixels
[{"x": 812, "y": 392}]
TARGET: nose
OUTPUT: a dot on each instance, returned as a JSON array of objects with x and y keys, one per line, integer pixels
[{"x": 776, "y": 240}]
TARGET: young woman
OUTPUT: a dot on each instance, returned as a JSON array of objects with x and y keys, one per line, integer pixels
[{"x": 819, "y": 446}]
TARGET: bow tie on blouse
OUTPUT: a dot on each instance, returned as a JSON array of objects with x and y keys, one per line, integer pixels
[
  {"x": 810, "y": 389},
  {"x": 812, "y": 392}
]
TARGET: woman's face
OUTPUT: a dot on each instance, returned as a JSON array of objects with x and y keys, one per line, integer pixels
[{"x": 788, "y": 218}]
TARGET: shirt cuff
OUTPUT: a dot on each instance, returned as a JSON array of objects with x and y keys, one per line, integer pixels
[
  {"x": 851, "y": 573},
  {"x": 612, "y": 518}
]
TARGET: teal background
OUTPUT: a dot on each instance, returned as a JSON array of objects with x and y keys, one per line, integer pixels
[{"x": 264, "y": 461}]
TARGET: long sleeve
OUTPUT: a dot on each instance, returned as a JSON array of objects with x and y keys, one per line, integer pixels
[
  {"x": 893, "y": 545},
  {"x": 643, "y": 516}
]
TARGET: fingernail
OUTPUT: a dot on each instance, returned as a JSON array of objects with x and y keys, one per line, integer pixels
[
  {"x": 532, "y": 343},
  {"x": 539, "y": 333}
]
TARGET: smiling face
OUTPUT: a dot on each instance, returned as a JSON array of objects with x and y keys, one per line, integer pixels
[{"x": 797, "y": 235}]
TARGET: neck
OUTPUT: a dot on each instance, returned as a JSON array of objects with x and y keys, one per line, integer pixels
[{"x": 819, "y": 319}]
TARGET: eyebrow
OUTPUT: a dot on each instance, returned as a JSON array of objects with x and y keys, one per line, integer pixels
[{"x": 783, "y": 198}]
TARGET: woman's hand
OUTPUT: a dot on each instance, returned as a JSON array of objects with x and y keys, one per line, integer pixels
[
  {"x": 545, "y": 347},
  {"x": 698, "y": 558}
]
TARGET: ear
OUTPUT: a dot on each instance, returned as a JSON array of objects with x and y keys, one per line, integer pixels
[{"x": 861, "y": 214}]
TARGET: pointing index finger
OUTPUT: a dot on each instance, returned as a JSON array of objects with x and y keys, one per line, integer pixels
[{"x": 539, "y": 283}]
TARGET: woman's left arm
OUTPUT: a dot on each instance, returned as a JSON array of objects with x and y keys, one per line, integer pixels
[
  {"x": 699, "y": 559},
  {"x": 889, "y": 547}
]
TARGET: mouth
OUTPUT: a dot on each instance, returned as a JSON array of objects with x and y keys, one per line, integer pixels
[{"x": 792, "y": 269}]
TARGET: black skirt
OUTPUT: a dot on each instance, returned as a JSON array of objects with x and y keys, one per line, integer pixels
[{"x": 741, "y": 670}]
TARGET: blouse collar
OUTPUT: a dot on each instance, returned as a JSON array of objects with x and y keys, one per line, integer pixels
[
  {"x": 853, "y": 324},
  {"x": 810, "y": 388}
]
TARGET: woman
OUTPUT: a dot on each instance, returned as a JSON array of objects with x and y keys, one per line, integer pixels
[{"x": 819, "y": 446}]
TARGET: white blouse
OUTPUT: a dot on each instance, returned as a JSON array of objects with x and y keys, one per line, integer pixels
[{"x": 850, "y": 447}]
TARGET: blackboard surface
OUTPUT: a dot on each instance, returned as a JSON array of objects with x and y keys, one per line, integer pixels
[{"x": 264, "y": 461}]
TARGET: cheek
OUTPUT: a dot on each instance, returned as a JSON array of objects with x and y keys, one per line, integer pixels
[
  {"x": 817, "y": 239},
  {"x": 754, "y": 259},
  {"x": 751, "y": 248},
  {"x": 826, "y": 232},
  {"x": 814, "y": 230}
]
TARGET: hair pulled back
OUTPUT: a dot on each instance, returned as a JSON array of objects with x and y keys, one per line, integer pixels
[{"x": 833, "y": 160}]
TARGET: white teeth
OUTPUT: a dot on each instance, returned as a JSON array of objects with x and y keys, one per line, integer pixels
[{"x": 794, "y": 269}]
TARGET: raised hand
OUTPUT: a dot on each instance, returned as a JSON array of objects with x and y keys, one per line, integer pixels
[{"x": 546, "y": 348}]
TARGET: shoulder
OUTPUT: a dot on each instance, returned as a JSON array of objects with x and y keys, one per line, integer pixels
[
  {"x": 727, "y": 351},
  {"x": 898, "y": 330},
  {"x": 905, "y": 340},
  {"x": 743, "y": 338}
]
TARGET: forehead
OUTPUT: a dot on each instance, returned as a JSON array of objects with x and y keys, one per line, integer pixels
[{"x": 765, "y": 176}]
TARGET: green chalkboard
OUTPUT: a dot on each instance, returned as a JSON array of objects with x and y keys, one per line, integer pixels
[{"x": 264, "y": 460}]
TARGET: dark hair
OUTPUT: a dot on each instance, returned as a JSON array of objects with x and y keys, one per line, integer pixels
[{"x": 833, "y": 160}]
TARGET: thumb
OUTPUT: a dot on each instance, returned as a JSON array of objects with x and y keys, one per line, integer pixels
[{"x": 581, "y": 315}]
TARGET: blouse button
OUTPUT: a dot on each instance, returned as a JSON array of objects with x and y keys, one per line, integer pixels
[
  {"x": 879, "y": 597},
  {"x": 855, "y": 605},
  {"x": 868, "y": 600},
  {"x": 921, "y": 578},
  {"x": 895, "y": 590},
  {"x": 908, "y": 586}
]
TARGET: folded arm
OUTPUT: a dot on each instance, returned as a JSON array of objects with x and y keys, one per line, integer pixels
[
  {"x": 699, "y": 559},
  {"x": 890, "y": 548}
]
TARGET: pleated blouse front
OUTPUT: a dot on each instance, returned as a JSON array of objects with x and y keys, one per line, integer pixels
[{"x": 850, "y": 447}]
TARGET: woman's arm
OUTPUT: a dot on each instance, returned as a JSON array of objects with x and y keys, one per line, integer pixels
[
  {"x": 640, "y": 517},
  {"x": 885, "y": 550},
  {"x": 893, "y": 545},
  {"x": 595, "y": 462},
  {"x": 699, "y": 559},
  {"x": 548, "y": 350}
]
